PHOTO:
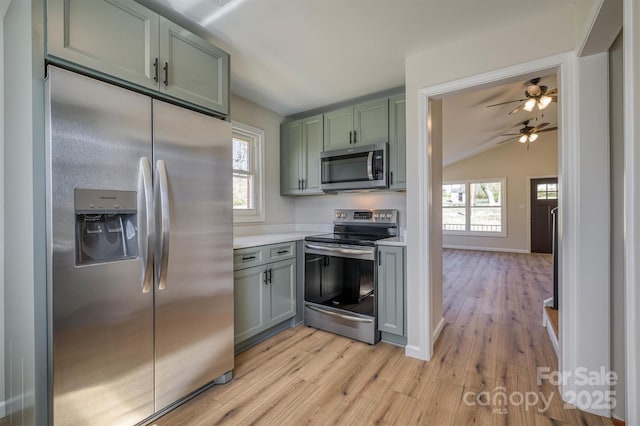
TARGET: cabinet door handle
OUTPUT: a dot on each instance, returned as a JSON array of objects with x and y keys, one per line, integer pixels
[
  {"x": 379, "y": 258},
  {"x": 166, "y": 74},
  {"x": 248, "y": 257},
  {"x": 155, "y": 70},
  {"x": 390, "y": 178},
  {"x": 269, "y": 272},
  {"x": 304, "y": 184},
  {"x": 265, "y": 276},
  {"x": 350, "y": 136},
  {"x": 355, "y": 136}
]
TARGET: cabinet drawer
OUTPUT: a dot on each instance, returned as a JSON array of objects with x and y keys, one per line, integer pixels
[
  {"x": 248, "y": 257},
  {"x": 281, "y": 251}
]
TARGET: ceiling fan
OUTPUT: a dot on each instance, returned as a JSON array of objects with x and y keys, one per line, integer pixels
[
  {"x": 527, "y": 133},
  {"x": 535, "y": 95}
]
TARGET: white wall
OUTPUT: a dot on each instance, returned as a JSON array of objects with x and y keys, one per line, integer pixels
[
  {"x": 616, "y": 94},
  {"x": 4, "y": 4},
  {"x": 25, "y": 263},
  {"x": 516, "y": 163},
  {"x": 278, "y": 210},
  {"x": 450, "y": 62}
]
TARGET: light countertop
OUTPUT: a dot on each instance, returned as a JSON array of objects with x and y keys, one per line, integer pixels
[
  {"x": 393, "y": 241},
  {"x": 270, "y": 238}
]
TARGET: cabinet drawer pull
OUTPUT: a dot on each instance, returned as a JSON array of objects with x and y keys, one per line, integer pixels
[
  {"x": 248, "y": 257},
  {"x": 269, "y": 275},
  {"x": 166, "y": 74},
  {"x": 155, "y": 70},
  {"x": 283, "y": 251},
  {"x": 265, "y": 277}
]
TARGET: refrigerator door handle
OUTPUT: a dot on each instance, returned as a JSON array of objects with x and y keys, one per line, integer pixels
[
  {"x": 147, "y": 238},
  {"x": 163, "y": 204}
]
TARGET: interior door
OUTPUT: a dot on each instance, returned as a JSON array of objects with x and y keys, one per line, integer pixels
[
  {"x": 544, "y": 198},
  {"x": 102, "y": 319},
  {"x": 194, "y": 256}
]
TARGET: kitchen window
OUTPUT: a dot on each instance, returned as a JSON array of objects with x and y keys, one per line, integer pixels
[
  {"x": 474, "y": 207},
  {"x": 248, "y": 173}
]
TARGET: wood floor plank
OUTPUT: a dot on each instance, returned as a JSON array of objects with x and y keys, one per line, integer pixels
[{"x": 492, "y": 342}]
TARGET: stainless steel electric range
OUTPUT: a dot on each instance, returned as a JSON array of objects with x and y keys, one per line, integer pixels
[{"x": 341, "y": 275}]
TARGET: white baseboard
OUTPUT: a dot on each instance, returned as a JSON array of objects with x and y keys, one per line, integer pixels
[
  {"x": 414, "y": 352},
  {"x": 437, "y": 331},
  {"x": 505, "y": 250},
  {"x": 552, "y": 335}
]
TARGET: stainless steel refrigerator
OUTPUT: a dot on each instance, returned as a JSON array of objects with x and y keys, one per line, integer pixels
[{"x": 140, "y": 274}]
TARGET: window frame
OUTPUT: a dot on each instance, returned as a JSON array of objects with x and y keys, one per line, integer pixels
[
  {"x": 468, "y": 208},
  {"x": 256, "y": 138}
]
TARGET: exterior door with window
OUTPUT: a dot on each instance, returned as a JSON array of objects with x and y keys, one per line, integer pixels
[{"x": 544, "y": 198}]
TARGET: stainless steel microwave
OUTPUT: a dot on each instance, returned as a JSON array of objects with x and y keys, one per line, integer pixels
[{"x": 363, "y": 167}]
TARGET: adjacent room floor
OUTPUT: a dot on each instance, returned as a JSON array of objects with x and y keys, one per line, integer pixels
[{"x": 483, "y": 370}]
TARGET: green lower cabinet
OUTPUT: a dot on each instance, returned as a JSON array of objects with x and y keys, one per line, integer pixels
[
  {"x": 264, "y": 296},
  {"x": 391, "y": 290},
  {"x": 281, "y": 299},
  {"x": 249, "y": 295}
]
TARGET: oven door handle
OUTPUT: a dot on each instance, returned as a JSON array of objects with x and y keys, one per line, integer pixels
[
  {"x": 340, "y": 250},
  {"x": 370, "y": 165},
  {"x": 346, "y": 317}
]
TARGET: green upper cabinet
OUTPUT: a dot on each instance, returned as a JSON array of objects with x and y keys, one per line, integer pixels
[
  {"x": 124, "y": 41},
  {"x": 312, "y": 134},
  {"x": 362, "y": 124},
  {"x": 291, "y": 151},
  {"x": 193, "y": 69},
  {"x": 300, "y": 148},
  {"x": 338, "y": 129},
  {"x": 119, "y": 38},
  {"x": 397, "y": 143}
]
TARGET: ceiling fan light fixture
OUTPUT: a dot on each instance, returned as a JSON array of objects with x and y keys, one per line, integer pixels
[
  {"x": 529, "y": 105},
  {"x": 523, "y": 139},
  {"x": 544, "y": 102},
  {"x": 533, "y": 137}
]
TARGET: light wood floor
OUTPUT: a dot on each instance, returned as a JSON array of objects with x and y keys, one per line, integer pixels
[{"x": 493, "y": 338}]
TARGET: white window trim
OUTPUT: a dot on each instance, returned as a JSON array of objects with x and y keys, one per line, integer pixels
[
  {"x": 503, "y": 207},
  {"x": 257, "y": 136}
]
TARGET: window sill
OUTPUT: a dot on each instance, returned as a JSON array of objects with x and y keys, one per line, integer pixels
[{"x": 475, "y": 234}]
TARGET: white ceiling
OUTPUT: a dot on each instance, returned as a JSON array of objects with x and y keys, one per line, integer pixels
[
  {"x": 469, "y": 127},
  {"x": 295, "y": 55}
]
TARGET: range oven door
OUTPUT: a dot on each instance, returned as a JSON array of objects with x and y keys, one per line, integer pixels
[
  {"x": 340, "y": 284},
  {"x": 354, "y": 168}
]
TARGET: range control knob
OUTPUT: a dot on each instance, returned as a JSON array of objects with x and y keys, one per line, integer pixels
[{"x": 389, "y": 215}]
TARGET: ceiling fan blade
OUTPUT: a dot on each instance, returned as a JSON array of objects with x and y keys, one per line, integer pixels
[
  {"x": 516, "y": 109},
  {"x": 550, "y": 129},
  {"x": 506, "y": 140},
  {"x": 552, "y": 92},
  {"x": 510, "y": 134},
  {"x": 539, "y": 126},
  {"x": 507, "y": 102}
]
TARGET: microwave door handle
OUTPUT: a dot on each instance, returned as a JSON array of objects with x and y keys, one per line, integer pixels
[
  {"x": 370, "y": 165},
  {"x": 148, "y": 229}
]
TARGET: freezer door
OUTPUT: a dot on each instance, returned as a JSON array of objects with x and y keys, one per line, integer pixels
[
  {"x": 194, "y": 254},
  {"x": 101, "y": 319}
]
